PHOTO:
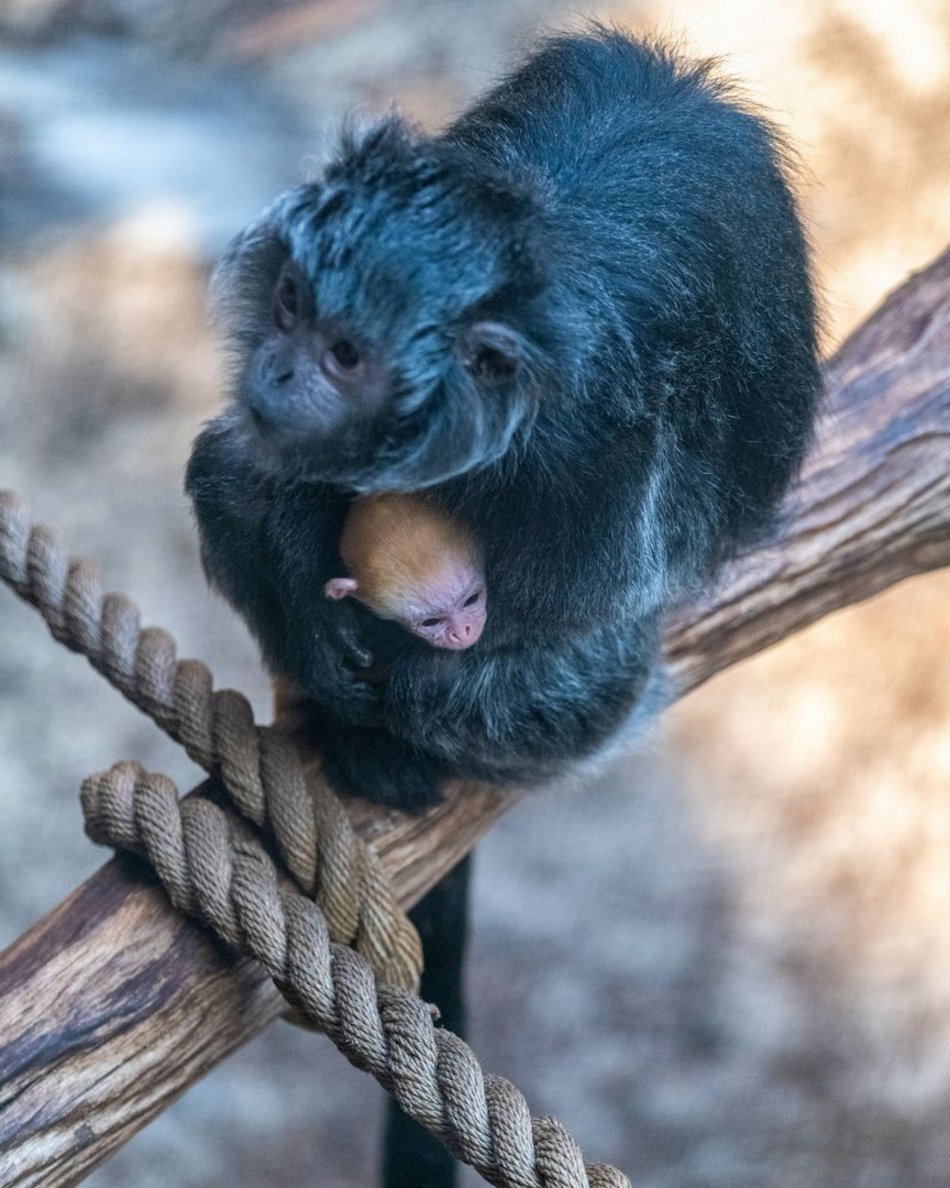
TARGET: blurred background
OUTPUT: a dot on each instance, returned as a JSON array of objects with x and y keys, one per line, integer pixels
[{"x": 728, "y": 963}]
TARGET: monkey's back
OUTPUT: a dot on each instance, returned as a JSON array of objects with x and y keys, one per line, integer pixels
[{"x": 678, "y": 268}]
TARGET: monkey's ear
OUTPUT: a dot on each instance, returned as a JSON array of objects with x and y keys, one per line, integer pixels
[
  {"x": 337, "y": 588},
  {"x": 492, "y": 351}
]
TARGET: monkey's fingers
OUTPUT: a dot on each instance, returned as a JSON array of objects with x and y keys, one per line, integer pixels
[{"x": 353, "y": 653}]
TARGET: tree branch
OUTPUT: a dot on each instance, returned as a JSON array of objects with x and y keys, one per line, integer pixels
[
  {"x": 112, "y": 1005},
  {"x": 872, "y": 506}
]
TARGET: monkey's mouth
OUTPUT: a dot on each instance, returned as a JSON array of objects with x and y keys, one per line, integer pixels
[
  {"x": 332, "y": 457},
  {"x": 274, "y": 450},
  {"x": 259, "y": 431},
  {"x": 258, "y": 422}
]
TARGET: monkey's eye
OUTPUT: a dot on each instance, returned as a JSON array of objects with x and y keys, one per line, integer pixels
[
  {"x": 288, "y": 302},
  {"x": 491, "y": 352},
  {"x": 472, "y": 598},
  {"x": 345, "y": 355},
  {"x": 430, "y": 622},
  {"x": 342, "y": 360}
]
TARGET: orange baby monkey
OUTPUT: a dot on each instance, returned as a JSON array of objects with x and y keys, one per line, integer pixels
[{"x": 412, "y": 563}]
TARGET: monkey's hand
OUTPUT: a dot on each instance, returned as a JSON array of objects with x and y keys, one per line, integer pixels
[
  {"x": 333, "y": 668},
  {"x": 343, "y": 633}
]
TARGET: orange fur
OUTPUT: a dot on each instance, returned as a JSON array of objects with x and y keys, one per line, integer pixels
[{"x": 398, "y": 544}]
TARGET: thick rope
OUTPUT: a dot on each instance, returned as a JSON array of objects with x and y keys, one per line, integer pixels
[
  {"x": 259, "y": 766},
  {"x": 214, "y": 868}
]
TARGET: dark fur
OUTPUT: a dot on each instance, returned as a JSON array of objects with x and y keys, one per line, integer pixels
[{"x": 628, "y": 219}]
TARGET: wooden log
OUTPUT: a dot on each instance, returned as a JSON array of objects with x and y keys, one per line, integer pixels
[
  {"x": 102, "y": 1027},
  {"x": 112, "y": 1005},
  {"x": 872, "y": 505}
]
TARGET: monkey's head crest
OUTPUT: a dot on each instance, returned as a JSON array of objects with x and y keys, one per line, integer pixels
[{"x": 388, "y": 321}]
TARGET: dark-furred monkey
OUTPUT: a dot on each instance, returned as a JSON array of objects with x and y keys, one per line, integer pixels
[{"x": 580, "y": 319}]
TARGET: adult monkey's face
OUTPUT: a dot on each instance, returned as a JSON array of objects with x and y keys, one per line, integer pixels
[{"x": 380, "y": 319}]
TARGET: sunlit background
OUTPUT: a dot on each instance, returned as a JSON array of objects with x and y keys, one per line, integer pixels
[{"x": 727, "y": 965}]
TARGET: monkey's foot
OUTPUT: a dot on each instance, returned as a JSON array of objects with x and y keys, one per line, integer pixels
[{"x": 374, "y": 764}]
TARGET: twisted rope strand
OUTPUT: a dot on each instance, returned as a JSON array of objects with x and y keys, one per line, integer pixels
[
  {"x": 213, "y": 867},
  {"x": 259, "y": 766}
]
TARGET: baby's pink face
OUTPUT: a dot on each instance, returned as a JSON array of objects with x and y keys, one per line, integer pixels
[
  {"x": 446, "y": 610},
  {"x": 448, "y": 613}
]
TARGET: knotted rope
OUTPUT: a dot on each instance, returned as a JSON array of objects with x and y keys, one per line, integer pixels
[
  {"x": 258, "y": 765},
  {"x": 219, "y": 872},
  {"x": 214, "y": 867}
]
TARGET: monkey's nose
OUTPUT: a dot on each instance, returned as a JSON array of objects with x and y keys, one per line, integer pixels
[
  {"x": 282, "y": 369},
  {"x": 274, "y": 369},
  {"x": 282, "y": 364},
  {"x": 462, "y": 634}
]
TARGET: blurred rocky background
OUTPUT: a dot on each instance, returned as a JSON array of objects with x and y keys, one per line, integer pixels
[{"x": 726, "y": 965}]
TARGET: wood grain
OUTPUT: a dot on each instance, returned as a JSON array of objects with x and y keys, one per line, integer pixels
[
  {"x": 112, "y": 1005},
  {"x": 872, "y": 505}
]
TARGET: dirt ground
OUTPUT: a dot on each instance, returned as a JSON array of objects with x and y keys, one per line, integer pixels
[{"x": 727, "y": 963}]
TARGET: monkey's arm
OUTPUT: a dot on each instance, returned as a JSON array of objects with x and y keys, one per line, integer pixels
[
  {"x": 230, "y": 500},
  {"x": 520, "y": 712},
  {"x": 269, "y": 550},
  {"x": 509, "y": 715}
]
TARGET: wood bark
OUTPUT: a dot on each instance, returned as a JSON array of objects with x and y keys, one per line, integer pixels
[{"x": 112, "y": 1005}]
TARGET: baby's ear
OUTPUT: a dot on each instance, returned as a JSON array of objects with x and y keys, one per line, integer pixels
[{"x": 338, "y": 588}]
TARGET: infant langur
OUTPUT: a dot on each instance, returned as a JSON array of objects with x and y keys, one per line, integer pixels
[{"x": 414, "y": 564}]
